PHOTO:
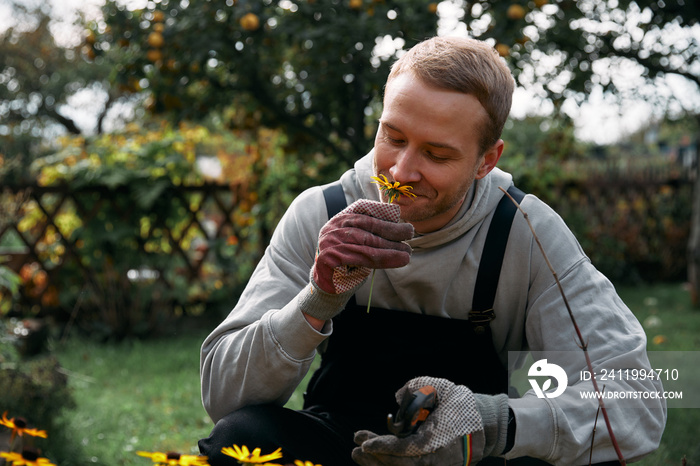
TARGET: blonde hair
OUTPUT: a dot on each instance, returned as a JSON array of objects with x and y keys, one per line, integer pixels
[{"x": 464, "y": 65}]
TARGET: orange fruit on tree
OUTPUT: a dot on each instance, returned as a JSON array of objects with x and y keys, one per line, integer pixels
[
  {"x": 515, "y": 11},
  {"x": 250, "y": 22},
  {"x": 90, "y": 37},
  {"x": 154, "y": 55},
  {"x": 355, "y": 4},
  {"x": 503, "y": 50},
  {"x": 89, "y": 52},
  {"x": 155, "y": 39}
]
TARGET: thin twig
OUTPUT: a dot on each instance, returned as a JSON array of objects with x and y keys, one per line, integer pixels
[
  {"x": 582, "y": 343},
  {"x": 595, "y": 427}
]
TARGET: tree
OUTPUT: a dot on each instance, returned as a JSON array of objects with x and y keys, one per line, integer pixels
[
  {"x": 309, "y": 67},
  {"x": 567, "y": 48},
  {"x": 315, "y": 68},
  {"x": 38, "y": 79}
]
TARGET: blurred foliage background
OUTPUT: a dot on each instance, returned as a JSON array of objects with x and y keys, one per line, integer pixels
[
  {"x": 149, "y": 148},
  {"x": 266, "y": 98},
  {"x": 207, "y": 118}
]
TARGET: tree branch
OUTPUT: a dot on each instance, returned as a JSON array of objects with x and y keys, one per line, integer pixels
[
  {"x": 111, "y": 98},
  {"x": 68, "y": 123}
]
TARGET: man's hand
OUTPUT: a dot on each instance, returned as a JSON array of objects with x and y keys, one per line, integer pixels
[
  {"x": 455, "y": 433},
  {"x": 365, "y": 235}
]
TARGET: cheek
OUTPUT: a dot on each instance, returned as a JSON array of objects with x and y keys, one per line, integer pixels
[
  {"x": 445, "y": 181},
  {"x": 436, "y": 177},
  {"x": 384, "y": 157}
]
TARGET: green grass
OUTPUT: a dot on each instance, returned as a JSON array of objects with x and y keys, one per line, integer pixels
[
  {"x": 135, "y": 396},
  {"x": 145, "y": 395},
  {"x": 667, "y": 315}
]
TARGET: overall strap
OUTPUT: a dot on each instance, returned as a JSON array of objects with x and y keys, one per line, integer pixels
[
  {"x": 335, "y": 198},
  {"x": 492, "y": 259}
]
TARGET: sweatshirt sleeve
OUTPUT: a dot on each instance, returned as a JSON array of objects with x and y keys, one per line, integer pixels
[
  {"x": 263, "y": 349},
  {"x": 561, "y": 429}
]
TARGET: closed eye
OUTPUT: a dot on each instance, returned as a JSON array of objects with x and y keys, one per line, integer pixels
[
  {"x": 393, "y": 141},
  {"x": 436, "y": 158}
]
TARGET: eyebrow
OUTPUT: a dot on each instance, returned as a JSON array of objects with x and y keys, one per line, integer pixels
[{"x": 438, "y": 145}]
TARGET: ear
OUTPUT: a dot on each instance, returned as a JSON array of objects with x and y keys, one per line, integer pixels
[{"x": 490, "y": 159}]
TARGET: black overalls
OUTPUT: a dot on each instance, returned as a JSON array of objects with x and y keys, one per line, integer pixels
[{"x": 372, "y": 355}]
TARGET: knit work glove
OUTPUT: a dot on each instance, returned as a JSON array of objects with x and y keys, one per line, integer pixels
[
  {"x": 455, "y": 433},
  {"x": 365, "y": 235}
]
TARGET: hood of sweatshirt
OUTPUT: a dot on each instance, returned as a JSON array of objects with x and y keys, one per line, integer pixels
[{"x": 482, "y": 199}]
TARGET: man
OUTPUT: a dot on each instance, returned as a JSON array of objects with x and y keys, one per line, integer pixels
[{"x": 445, "y": 104}]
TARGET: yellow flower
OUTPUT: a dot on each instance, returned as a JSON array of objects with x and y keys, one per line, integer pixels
[
  {"x": 244, "y": 456},
  {"x": 26, "y": 458},
  {"x": 174, "y": 459},
  {"x": 392, "y": 190},
  {"x": 19, "y": 427},
  {"x": 304, "y": 463}
]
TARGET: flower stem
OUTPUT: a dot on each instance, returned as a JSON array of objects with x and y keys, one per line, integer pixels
[{"x": 371, "y": 286}]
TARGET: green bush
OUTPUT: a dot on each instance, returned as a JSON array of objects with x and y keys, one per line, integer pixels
[
  {"x": 631, "y": 216},
  {"x": 36, "y": 390},
  {"x": 139, "y": 235}
]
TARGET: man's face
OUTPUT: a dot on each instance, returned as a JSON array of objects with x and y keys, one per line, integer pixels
[{"x": 428, "y": 138}]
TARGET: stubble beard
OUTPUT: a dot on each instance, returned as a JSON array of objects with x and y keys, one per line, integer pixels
[{"x": 437, "y": 207}]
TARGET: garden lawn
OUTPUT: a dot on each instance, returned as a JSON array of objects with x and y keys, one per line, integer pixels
[
  {"x": 671, "y": 325},
  {"x": 134, "y": 396},
  {"x": 145, "y": 395}
]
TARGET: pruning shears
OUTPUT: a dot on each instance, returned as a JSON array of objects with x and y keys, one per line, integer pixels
[{"x": 413, "y": 411}]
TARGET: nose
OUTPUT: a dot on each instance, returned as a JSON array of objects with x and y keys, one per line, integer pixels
[{"x": 405, "y": 169}]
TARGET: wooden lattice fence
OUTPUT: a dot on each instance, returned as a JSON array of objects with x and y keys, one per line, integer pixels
[{"x": 119, "y": 259}]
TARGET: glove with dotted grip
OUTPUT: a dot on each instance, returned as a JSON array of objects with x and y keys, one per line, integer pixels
[
  {"x": 365, "y": 235},
  {"x": 455, "y": 433}
]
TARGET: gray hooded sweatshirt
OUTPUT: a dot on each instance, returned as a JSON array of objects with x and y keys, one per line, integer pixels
[{"x": 264, "y": 348}]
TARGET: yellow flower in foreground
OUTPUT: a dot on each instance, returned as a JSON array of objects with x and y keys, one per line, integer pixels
[
  {"x": 392, "y": 190},
  {"x": 26, "y": 458},
  {"x": 304, "y": 463},
  {"x": 244, "y": 456},
  {"x": 174, "y": 459},
  {"x": 19, "y": 427}
]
